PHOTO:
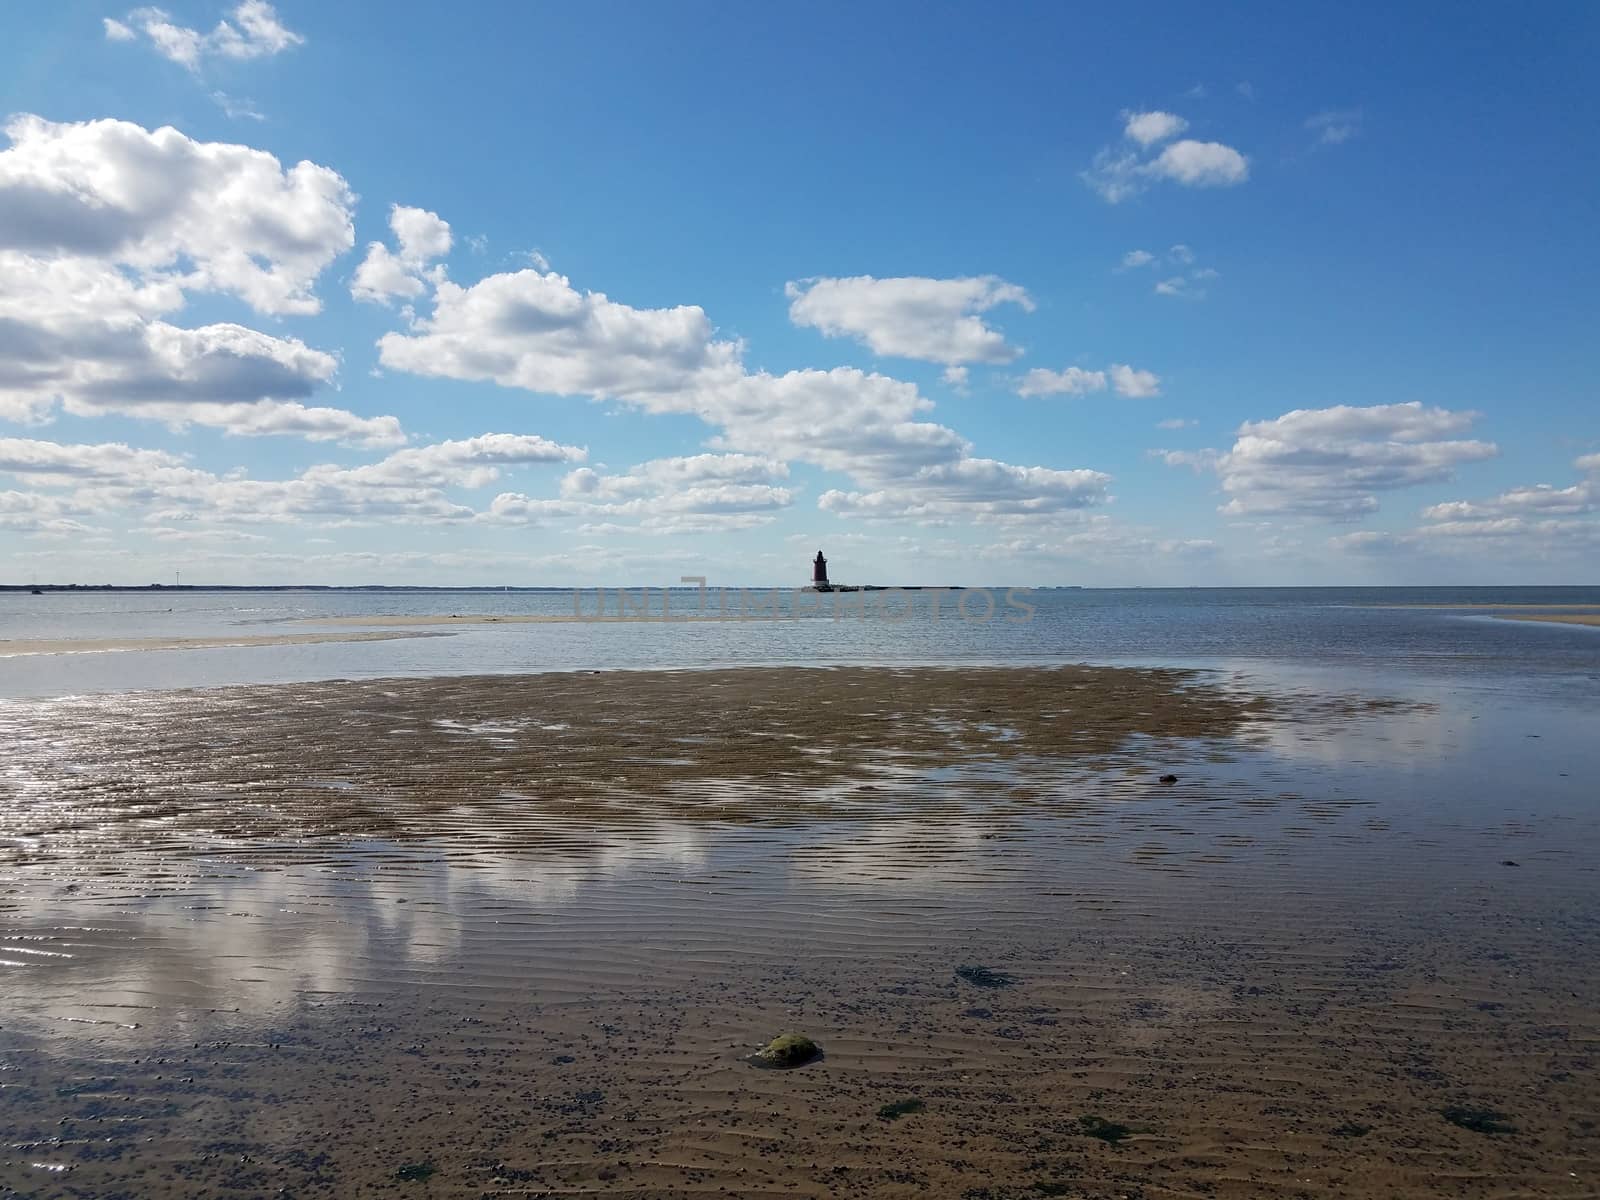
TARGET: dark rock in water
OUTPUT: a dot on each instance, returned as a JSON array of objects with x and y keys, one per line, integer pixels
[
  {"x": 1169, "y": 780},
  {"x": 985, "y": 978},
  {"x": 786, "y": 1051},
  {"x": 1509, "y": 862},
  {"x": 1478, "y": 1120}
]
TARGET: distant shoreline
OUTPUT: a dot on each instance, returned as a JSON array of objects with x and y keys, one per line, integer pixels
[{"x": 70, "y": 589}]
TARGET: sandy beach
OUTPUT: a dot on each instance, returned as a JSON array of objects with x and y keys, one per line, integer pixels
[{"x": 1058, "y": 931}]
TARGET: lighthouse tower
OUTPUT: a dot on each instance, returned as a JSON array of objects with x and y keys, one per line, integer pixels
[{"x": 819, "y": 573}]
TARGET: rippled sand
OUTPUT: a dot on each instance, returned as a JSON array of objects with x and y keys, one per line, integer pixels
[{"x": 514, "y": 936}]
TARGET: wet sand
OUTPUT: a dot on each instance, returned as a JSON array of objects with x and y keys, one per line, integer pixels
[
  {"x": 514, "y": 936},
  {"x": 17, "y": 647}
]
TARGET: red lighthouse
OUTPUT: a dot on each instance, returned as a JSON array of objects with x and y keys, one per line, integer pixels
[{"x": 819, "y": 572}]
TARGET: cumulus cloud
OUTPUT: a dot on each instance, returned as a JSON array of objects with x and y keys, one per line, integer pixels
[
  {"x": 200, "y": 215},
  {"x": 1538, "y": 500},
  {"x": 1199, "y": 164},
  {"x": 1148, "y": 128},
  {"x": 1075, "y": 381},
  {"x": 253, "y": 32},
  {"x": 533, "y": 330},
  {"x": 1122, "y": 171},
  {"x": 1333, "y": 462},
  {"x": 701, "y": 493},
  {"x": 977, "y": 489},
  {"x": 1133, "y": 383},
  {"x": 935, "y": 320},
  {"x": 409, "y": 485},
  {"x": 81, "y": 334},
  {"x": 469, "y": 462},
  {"x": 40, "y": 515},
  {"x": 421, "y": 238},
  {"x": 1134, "y": 259}
]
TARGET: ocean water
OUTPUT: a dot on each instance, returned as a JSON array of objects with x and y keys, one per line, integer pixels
[
  {"x": 1358, "y": 629},
  {"x": 235, "y": 963}
]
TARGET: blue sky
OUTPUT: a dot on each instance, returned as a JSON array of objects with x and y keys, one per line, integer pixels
[{"x": 1023, "y": 294}]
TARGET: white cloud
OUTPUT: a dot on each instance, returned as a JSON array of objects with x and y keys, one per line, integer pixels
[
  {"x": 1134, "y": 259},
  {"x": 1121, "y": 172},
  {"x": 702, "y": 493},
  {"x": 40, "y": 515},
  {"x": 1335, "y": 126},
  {"x": 421, "y": 237},
  {"x": 1134, "y": 384},
  {"x": 533, "y": 330},
  {"x": 1200, "y": 164},
  {"x": 409, "y": 485},
  {"x": 1148, "y": 128},
  {"x": 1589, "y": 462},
  {"x": 1119, "y": 176},
  {"x": 674, "y": 474},
  {"x": 1333, "y": 462},
  {"x": 1177, "y": 423},
  {"x": 201, "y": 215},
  {"x": 1190, "y": 286},
  {"x": 935, "y": 320},
  {"x": 468, "y": 463},
  {"x": 80, "y": 333},
  {"x": 956, "y": 377},
  {"x": 58, "y": 464},
  {"x": 978, "y": 489},
  {"x": 1538, "y": 500},
  {"x": 1074, "y": 381},
  {"x": 254, "y": 32}
]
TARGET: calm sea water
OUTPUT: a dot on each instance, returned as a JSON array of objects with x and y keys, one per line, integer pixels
[
  {"x": 1282, "y": 627},
  {"x": 1400, "y": 907}
]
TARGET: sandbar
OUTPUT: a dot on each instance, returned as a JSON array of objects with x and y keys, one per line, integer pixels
[
  {"x": 1493, "y": 607},
  {"x": 25, "y": 646},
  {"x": 1556, "y": 618}
]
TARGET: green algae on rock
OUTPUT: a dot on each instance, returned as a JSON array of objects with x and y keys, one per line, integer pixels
[{"x": 786, "y": 1051}]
